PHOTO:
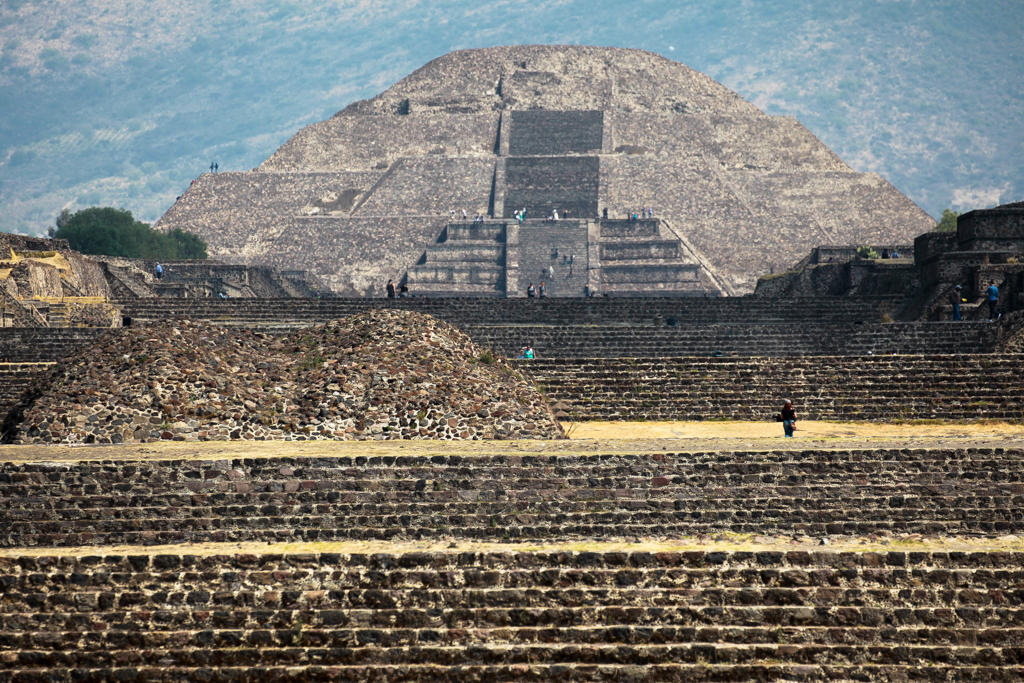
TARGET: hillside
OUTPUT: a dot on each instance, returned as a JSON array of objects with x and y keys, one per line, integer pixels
[{"x": 124, "y": 103}]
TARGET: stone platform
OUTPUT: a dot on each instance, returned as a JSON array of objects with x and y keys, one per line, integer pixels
[{"x": 565, "y": 561}]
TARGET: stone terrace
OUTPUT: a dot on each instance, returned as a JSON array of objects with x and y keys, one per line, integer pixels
[
  {"x": 833, "y": 388},
  {"x": 511, "y": 497}
]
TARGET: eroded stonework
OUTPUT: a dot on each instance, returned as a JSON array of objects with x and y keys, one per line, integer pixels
[{"x": 359, "y": 198}]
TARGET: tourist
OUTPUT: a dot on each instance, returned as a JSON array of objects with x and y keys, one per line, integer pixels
[
  {"x": 895, "y": 254},
  {"x": 451, "y": 216},
  {"x": 391, "y": 289},
  {"x": 159, "y": 272},
  {"x": 403, "y": 291},
  {"x": 528, "y": 354},
  {"x": 885, "y": 253},
  {"x": 954, "y": 298},
  {"x": 551, "y": 272},
  {"x": 522, "y": 354},
  {"x": 543, "y": 290},
  {"x": 788, "y": 418},
  {"x": 604, "y": 214},
  {"x": 992, "y": 294},
  {"x": 464, "y": 217},
  {"x": 554, "y": 213},
  {"x": 531, "y": 292}
]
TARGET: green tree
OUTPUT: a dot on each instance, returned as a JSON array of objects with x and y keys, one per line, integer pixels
[
  {"x": 948, "y": 221},
  {"x": 115, "y": 232},
  {"x": 189, "y": 246}
]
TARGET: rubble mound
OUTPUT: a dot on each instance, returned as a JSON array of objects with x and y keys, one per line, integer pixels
[
  {"x": 377, "y": 375},
  {"x": 400, "y": 374}
]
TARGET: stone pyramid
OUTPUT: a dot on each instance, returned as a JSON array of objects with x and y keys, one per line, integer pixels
[{"x": 368, "y": 194}]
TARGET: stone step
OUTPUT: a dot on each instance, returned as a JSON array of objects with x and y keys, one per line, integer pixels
[
  {"x": 450, "y": 652},
  {"x": 771, "y": 669}
]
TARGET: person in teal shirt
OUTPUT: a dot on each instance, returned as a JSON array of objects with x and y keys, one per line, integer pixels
[{"x": 992, "y": 294}]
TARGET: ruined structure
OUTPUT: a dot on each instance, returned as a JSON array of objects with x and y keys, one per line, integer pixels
[
  {"x": 988, "y": 246},
  {"x": 44, "y": 283},
  {"x": 368, "y": 194},
  {"x": 197, "y": 279}
]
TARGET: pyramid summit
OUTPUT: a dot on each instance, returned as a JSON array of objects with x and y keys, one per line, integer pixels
[{"x": 594, "y": 135}]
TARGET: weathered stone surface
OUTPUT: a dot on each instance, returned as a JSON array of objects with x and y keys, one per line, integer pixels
[
  {"x": 378, "y": 375},
  {"x": 742, "y": 191}
]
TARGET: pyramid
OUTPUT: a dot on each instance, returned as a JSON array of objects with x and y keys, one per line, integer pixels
[{"x": 597, "y": 135}]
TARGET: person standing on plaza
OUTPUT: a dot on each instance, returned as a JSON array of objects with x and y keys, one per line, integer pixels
[
  {"x": 391, "y": 289},
  {"x": 543, "y": 290},
  {"x": 531, "y": 292},
  {"x": 788, "y": 418}
]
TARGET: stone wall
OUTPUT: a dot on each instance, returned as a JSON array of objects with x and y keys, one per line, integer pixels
[{"x": 431, "y": 186}]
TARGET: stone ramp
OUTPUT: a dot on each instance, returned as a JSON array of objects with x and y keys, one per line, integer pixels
[
  {"x": 955, "y": 387},
  {"x": 560, "y": 615},
  {"x": 820, "y": 492}
]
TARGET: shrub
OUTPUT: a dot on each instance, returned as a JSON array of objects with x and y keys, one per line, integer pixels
[
  {"x": 867, "y": 252},
  {"x": 115, "y": 232}
]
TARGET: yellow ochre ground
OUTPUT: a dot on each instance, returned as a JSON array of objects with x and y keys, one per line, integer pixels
[{"x": 584, "y": 437}]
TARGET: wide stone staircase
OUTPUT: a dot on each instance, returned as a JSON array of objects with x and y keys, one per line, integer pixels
[
  {"x": 15, "y": 380},
  {"x": 45, "y": 344},
  {"x": 511, "y": 498},
  {"x": 644, "y": 312},
  {"x": 957, "y": 387},
  {"x": 490, "y": 616},
  {"x": 777, "y": 340},
  {"x": 468, "y": 260}
]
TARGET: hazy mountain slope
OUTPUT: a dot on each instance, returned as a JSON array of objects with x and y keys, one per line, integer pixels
[{"x": 124, "y": 102}]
